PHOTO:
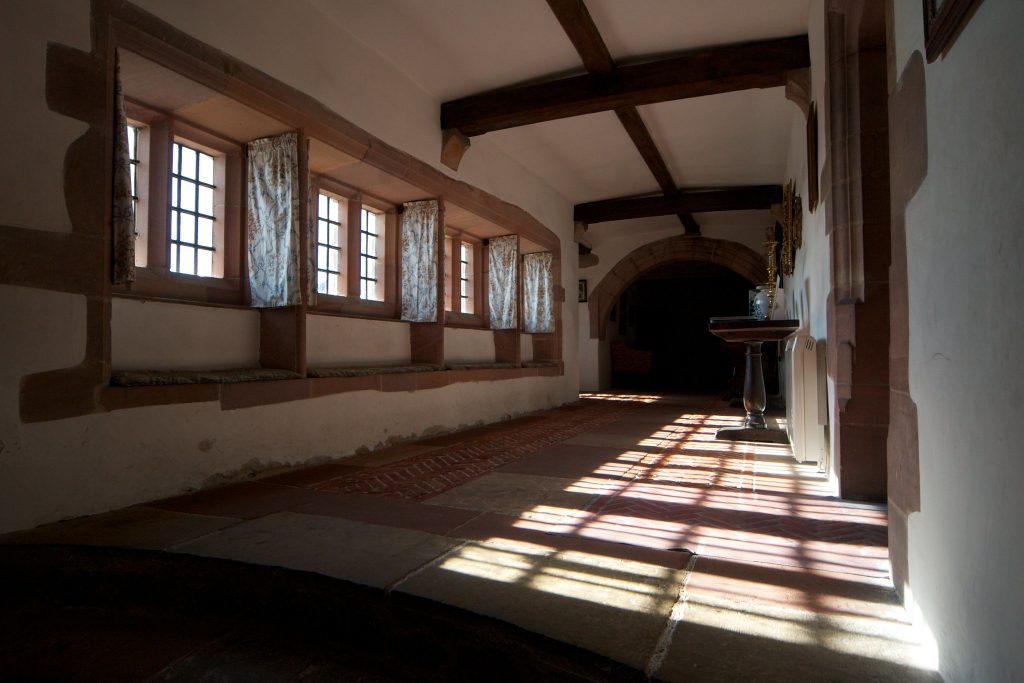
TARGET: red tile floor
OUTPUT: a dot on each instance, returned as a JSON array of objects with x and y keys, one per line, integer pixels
[{"x": 618, "y": 524}]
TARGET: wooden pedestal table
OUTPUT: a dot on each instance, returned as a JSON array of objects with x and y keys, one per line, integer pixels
[{"x": 753, "y": 333}]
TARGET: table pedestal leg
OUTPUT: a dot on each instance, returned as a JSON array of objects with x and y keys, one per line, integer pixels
[
  {"x": 754, "y": 401},
  {"x": 753, "y": 388}
]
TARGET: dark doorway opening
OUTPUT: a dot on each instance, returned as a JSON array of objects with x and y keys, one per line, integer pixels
[{"x": 665, "y": 312}]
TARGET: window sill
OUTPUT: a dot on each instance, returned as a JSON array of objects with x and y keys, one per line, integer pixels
[
  {"x": 158, "y": 283},
  {"x": 353, "y": 307},
  {"x": 453, "y": 319}
]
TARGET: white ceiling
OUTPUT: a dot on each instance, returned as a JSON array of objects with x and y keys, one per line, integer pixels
[{"x": 454, "y": 48}]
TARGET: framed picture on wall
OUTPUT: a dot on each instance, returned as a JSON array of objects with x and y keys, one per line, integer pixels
[
  {"x": 583, "y": 292},
  {"x": 943, "y": 21}
]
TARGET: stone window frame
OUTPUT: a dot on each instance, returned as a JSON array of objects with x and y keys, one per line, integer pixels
[
  {"x": 454, "y": 239},
  {"x": 350, "y": 303},
  {"x": 154, "y": 279}
]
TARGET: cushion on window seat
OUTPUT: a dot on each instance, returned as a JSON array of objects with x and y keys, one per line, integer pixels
[
  {"x": 364, "y": 370},
  {"x": 150, "y": 378},
  {"x": 540, "y": 363},
  {"x": 481, "y": 366}
]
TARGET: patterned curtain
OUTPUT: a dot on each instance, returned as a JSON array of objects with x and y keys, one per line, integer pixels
[
  {"x": 502, "y": 257},
  {"x": 538, "y": 314},
  {"x": 273, "y": 221},
  {"x": 123, "y": 213},
  {"x": 419, "y": 261}
]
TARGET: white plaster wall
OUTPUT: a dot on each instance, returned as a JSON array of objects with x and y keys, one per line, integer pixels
[
  {"x": 964, "y": 246},
  {"x": 807, "y": 290},
  {"x": 336, "y": 341},
  {"x": 32, "y": 137},
  {"x": 98, "y": 462},
  {"x": 156, "y": 335},
  {"x": 526, "y": 347},
  {"x": 462, "y": 345}
]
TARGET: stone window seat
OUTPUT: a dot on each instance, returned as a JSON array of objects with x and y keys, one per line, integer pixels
[
  {"x": 540, "y": 364},
  {"x": 365, "y": 371},
  {"x": 152, "y": 378}
]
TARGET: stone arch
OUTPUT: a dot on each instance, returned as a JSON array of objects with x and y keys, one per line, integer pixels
[{"x": 738, "y": 258}]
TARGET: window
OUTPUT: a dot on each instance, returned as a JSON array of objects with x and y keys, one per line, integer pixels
[
  {"x": 370, "y": 264},
  {"x": 133, "y": 158},
  {"x": 329, "y": 273},
  {"x": 466, "y": 278},
  {"x": 192, "y": 215}
]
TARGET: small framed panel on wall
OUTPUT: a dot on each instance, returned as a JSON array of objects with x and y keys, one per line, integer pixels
[
  {"x": 943, "y": 22},
  {"x": 583, "y": 292}
]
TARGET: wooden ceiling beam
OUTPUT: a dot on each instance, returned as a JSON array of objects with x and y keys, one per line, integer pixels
[
  {"x": 685, "y": 201},
  {"x": 579, "y": 26},
  {"x": 707, "y": 71}
]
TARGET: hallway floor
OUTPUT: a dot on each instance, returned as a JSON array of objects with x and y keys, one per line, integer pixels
[{"x": 617, "y": 525}]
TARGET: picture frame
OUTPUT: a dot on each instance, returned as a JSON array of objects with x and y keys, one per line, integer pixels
[
  {"x": 943, "y": 22},
  {"x": 583, "y": 292}
]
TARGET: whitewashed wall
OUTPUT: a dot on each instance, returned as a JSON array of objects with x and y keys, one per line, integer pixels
[
  {"x": 964, "y": 247},
  {"x": 155, "y": 335},
  {"x": 337, "y": 341},
  {"x": 462, "y": 345}
]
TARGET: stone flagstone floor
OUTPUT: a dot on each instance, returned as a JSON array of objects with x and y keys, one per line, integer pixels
[{"x": 618, "y": 525}]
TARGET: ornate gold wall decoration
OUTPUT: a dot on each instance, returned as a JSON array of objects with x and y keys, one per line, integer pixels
[{"x": 792, "y": 227}]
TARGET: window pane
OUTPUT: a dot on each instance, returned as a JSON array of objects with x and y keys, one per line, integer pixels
[
  {"x": 205, "y": 263},
  {"x": 321, "y": 258},
  {"x": 321, "y": 282},
  {"x": 187, "y": 196},
  {"x": 205, "y": 232},
  {"x": 371, "y": 246},
  {"x": 188, "y": 162},
  {"x": 135, "y": 192},
  {"x": 187, "y": 260},
  {"x": 174, "y": 224},
  {"x": 332, "y": 284},
  {"x": 371, "y": 268},
  {"x": 362, "y": 243},
  {"x": 131, "y": 142},
  {"x": 188, "y": 228},
  {"x": 174, "y": 258},
  {"x": 174, "y": 159},
  {"x": 333, "y": 209},
  {"x": 321, "y": 232},
  {"x": 206, "y": 168},
  {"x": 206, "y": 200},
  {"x": 332, "y": 261},
  {"x": 174, "y": 192},
  {"x": 335, "y": 236}
]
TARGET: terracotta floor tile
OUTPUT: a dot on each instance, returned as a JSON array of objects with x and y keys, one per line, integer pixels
[
  {"x": 134, "y": 527},
  {"x": 247, "y": 500},
  {"x": 308, "y": 476}
]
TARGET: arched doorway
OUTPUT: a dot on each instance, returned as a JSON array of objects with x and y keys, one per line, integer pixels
[
  {"x": 665, "y": 312},
  {"x": 674, "y": 258}
]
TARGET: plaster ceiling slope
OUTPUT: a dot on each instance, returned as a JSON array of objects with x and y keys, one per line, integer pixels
[{"x": 454, "y": 48}]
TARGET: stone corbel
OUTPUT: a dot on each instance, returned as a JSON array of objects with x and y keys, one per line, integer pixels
[
  {"x": 798, "y": 89},
  {"x": 453, "y": 145}
]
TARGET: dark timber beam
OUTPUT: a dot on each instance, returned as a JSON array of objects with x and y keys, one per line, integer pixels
[
  {"x": 688, "y": 201},
  {"x": 708, "y": 71},
  {"x": 582, "y": 32}
]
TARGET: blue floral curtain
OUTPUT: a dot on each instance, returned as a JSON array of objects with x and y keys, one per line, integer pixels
[
  {"x": 538, "y": 313},
  {"x": 502, "y": 260},
  {"x": 273, "y": 221},
  {"x": 123, "y": 214},
  {"x": 419, "y": 261}
]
